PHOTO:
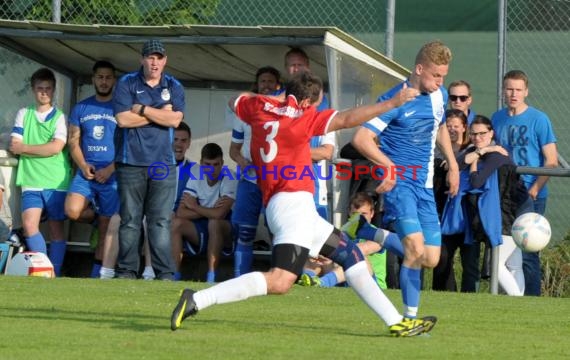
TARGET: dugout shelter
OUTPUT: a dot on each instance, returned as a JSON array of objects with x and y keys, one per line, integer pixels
[{"x": 212, "y": 62}]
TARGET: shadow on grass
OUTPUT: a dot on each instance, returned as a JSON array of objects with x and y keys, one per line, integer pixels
[
  {"x": 142, "y": 323},
  {"x": 130, "y": 321},
  {"x": 241, "y": 324}
]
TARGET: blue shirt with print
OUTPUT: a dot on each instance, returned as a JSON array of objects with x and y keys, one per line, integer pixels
[
  {"x": 523, "y": 136},
  {"x": 97, "y": 123}
]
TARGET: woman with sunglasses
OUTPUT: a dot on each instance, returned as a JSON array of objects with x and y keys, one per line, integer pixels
[{"x": 492, "y": 190}]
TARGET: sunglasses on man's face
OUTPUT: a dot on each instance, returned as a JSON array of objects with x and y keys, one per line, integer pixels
[{"x": 463, "y": 98}]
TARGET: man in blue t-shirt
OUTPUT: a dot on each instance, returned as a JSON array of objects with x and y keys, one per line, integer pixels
[
  {"x": 93, "y": 190},
  {"x": 247, "y": 205},
  {"x": 408, "y": 134},
  {"x": 527, "y": 134},
  {"x": 148, "y": 105},
  {"x": 182, "y": 141}
]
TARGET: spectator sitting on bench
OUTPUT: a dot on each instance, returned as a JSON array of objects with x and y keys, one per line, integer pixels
[{"x": 203, "y": 216}]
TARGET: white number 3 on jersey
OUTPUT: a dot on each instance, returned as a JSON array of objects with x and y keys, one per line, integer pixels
[{"x": 268, "y": 157}]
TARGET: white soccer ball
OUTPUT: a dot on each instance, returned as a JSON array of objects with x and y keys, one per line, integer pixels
[
  {"x": 30, "y": 263},
  {"x": 531, "y": 232}
]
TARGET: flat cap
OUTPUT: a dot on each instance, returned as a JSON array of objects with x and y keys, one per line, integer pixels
[{"x": 153, "y": 47}]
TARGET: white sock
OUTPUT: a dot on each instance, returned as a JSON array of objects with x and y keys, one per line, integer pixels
[
  {"x": 515, "y": 265},
  {"x": 511, "y": 277},
  {"x": 148, "y": 273},
  {"x": 367, "y": 289},
  {"x": 106, "y": 273},
  {"x": 237, "y": 289}
]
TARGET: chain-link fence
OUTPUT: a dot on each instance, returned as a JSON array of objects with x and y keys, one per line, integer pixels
[
  {"x": 538, "y": 37},
  {"x": 112, "y": 12},
  {"x": 364, "y": 19},
  {"x": 538, "y": 42}
]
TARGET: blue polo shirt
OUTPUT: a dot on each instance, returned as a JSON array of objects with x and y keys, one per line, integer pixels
[{"x": 142, "y": 146}]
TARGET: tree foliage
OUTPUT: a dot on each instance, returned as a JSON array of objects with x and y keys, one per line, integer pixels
[{"x": 116, "y": 12}]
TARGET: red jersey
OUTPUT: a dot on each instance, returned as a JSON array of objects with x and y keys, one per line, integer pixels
[{"x": 280, "y": 135}]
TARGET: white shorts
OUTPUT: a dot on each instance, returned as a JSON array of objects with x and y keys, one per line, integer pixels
[{"x": 293, "y": 219}]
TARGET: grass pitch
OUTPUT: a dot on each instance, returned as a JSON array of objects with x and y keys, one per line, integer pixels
[{"x": 69, "y": 318}]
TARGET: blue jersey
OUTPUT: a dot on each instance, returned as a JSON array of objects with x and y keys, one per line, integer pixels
[
  {"x": 183, "y": 170},
  {"x": 524, "y": 135},
  {"x": 97, "y": 123},
  {"x": 142, "y": 146},
  {"x": 319, "y": 167},
  {"x": 407, "y": 134},
  {"x": 470, "y": 117}
]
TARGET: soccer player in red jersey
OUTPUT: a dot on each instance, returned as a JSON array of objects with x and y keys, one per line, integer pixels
[{"x": 280, "y": 153}]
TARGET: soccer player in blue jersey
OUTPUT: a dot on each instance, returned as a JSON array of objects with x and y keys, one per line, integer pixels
[
  {"x": 91, "y": 130},
  {"x": 149, "y": 105},
  {"x": 182, "y": 141},
  {"x": 527, "y": 134},
  {"x": 247, "y": 206},
  {"x": 322, "y": 147},
  {"x": 407, "y": 137}
]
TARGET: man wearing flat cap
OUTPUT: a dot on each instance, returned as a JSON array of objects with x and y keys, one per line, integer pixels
[{"x": 148, "y": 106}]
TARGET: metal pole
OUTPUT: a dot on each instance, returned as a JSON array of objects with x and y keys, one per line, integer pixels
[
  {"x": 501, "y": 55},
  {"x": 56, "y": 11},
  {"x": 501, "y": 51},
  {"x": 389, "y": 38},
  {"x": 494, "y": 281}
]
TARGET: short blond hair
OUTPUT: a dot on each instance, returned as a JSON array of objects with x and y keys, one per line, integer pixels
[{"x": 435, "y": 52}]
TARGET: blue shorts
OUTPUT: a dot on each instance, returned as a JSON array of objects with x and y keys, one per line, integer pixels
[
  {"x": 247, "y": 206},
  {"x": 412, "y": 209},
  {"x": 104, "y": 197},
  {"x": 50, "y": 201},
  {"x": 202, "y": 230}
]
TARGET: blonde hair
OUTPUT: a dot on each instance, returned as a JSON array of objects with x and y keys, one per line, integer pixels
[{"x": 435, "y": 52}]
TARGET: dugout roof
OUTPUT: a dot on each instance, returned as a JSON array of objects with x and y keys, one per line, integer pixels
[{"x": 197, "y": 54}]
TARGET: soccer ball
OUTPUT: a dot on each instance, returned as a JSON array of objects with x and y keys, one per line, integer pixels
[
  {"x": 30, "y": 263},
  {"x": 531, "y": 232}
]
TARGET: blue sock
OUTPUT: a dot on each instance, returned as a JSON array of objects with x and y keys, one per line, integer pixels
[
  {"x": 311, "y": 273},
  {"x": 366, "y": 232},
  {"x": 177, "y": 276},
  {"x": 393, "y": 244},
  {"x": 243, "y": 258},
  {"x": 57, "y": 254},
  {"x": 37, "y": 243},
  {"x": 410, "y": 282},
  {"x": 95, "y": 269},
  {"x": 211, "y": 277},
  {"x": 329, "y": 280}
]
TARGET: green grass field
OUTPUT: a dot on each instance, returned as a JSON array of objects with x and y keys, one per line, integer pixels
[{"x": 121, "y": 319}]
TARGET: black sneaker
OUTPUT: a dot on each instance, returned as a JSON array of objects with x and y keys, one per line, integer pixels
[{"x": 186, "y": 307}]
